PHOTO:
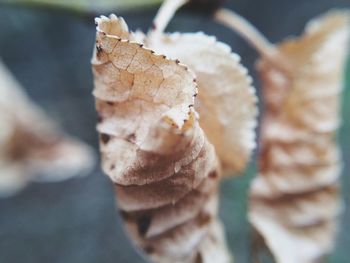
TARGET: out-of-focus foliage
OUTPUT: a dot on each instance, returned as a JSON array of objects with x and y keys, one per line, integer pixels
[{"x": 87, "y": 6}]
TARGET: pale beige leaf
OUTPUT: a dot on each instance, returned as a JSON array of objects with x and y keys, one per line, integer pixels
[
  {"x": 294, "y": 201},
  {"x": 226, "y": 100},
  {"x": 165, "y": 170},
  {"x": 317, "y": 59}
]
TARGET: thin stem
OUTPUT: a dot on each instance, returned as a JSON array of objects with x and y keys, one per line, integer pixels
[
  {"x": 164, "y": 15},
  {"x": 247, "y": 31}
]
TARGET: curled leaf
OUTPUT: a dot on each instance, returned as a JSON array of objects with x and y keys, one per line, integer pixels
[
  {"x": 226, "y": 100},
  {"x": 294, "y": 202},
  {"x": 153, "y": 148}
]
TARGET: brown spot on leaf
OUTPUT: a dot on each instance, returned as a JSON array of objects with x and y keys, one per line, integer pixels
[
  {"x": 213, "y": 175},
  {"x": 98, "y": 48},
  {"x": 105, "y": 138},
  {"x": 203, "y": 219}
]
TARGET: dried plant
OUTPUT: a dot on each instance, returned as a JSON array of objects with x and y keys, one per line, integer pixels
[
  {"x": 226, "y": 101},
  {"x": 294, "y": 200},
  {"x": 32, "y": 147},
  {"x": 154, "y": 146}
]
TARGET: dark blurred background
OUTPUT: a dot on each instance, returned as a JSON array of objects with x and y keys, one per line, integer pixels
[{"x": 49, "y": 50}]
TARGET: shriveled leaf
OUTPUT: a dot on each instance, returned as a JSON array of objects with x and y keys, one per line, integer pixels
[
  {"x": 31, "y": 146},
  {"x": 294, "y": 202},
  {"x": 165, "y": 170},
  {"x": 226, "y": 100}
]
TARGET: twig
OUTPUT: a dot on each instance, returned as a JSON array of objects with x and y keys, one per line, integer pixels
[
  {"x": 164, "y": 15},
  {"x": 247, "y": 31}
]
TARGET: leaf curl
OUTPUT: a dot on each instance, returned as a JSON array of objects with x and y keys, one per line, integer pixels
[
  {"x": 294, "y": 200},
  {"x": 165, "y": 169}
]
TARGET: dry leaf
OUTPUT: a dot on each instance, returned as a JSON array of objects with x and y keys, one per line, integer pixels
[
  {"x": 164, "y": 168},
  {"x": 294, "y": 202},
  {"x": 226, "y": 100},
  {"x": 31, "y": 146}
]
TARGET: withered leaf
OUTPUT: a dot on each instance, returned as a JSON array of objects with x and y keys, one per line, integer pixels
[
  {"x": 294, "y": 200},
  {"x": 226, "y": 100},
  {"x": 160, "y": 156}
]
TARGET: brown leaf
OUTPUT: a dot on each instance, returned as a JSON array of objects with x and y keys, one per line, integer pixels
[
  {"x": 294, "y": 201},
  {"x": 226, "y": 101},
  {"x": 157, "y": 154}
]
